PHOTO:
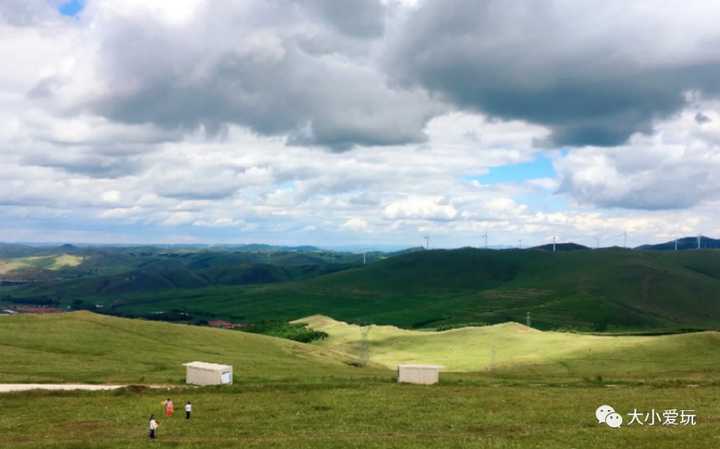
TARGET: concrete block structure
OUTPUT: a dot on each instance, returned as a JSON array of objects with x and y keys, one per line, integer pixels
[
  {"x": 203, "y": 373},
  {"x": 419, "y": 374}
]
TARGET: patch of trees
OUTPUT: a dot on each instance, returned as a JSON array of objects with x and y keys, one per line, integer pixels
[
  {"x": 296, "y": 332},
  {"x": 32, "y": 300}
]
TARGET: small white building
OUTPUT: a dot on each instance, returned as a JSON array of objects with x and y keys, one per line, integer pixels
[
  {"x": 419, "y": 374},
  {"x": 203, "y": 373}
]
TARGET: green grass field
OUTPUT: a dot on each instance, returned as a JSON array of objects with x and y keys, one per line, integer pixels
[
  {"x": 292, "y": 395},
  {"x": 358, "y": 414}
]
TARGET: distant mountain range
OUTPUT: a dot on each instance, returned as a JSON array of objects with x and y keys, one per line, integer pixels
[
  {"x": 685, "y": 243},
  {"x": 574, "y": 288},
  {"x": 591, "y": 290},
  {"x": 13, "y": 250},
  {"x": 561, "y": 247}
]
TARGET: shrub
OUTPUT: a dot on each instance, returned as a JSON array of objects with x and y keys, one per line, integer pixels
[{"x": 296, "y": 332}]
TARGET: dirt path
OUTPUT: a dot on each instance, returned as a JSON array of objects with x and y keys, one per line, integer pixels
[{"x": 9, "y": 388}]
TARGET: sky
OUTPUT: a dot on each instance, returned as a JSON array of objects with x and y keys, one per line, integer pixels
[{"x": 364, "y": 123}]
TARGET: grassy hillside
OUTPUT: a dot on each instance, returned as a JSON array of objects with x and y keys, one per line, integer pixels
[
  {"x": 53, "y": 263},
  {"x": 511, "y": 349},
  {"x": 598, "y": 290},
  {"x": 85, "y": 347},
  {"x": 107, "y": 272}
]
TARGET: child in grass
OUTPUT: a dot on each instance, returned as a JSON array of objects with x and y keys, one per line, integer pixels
[
  {"x": 153, "y": 426},
  {"x": 169, "y": 407}
]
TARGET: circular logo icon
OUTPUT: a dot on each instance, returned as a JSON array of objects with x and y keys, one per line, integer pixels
[
  {"x": 614, "y": 420},
  {"x": 602, "y": 413}
]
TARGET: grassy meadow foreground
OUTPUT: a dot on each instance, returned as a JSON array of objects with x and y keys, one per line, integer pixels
[
  {"x": 293, "y": 395},
  {"x": 358, "y": 414}
]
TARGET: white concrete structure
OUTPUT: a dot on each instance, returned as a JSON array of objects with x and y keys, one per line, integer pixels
[
  {"x": 419, "y": 374},
  {"x": 202, "y": 373}
]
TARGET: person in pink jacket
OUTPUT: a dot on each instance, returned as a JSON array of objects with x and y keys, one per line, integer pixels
[{"x": 169, "y": 407}]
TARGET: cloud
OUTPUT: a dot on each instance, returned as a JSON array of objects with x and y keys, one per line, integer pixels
[
  {"x": 249, "y": 63},
  {"x": 593, "y": 73},
  {"x": 674, "y": 168},
  {"x": 27, "y": 12},
  {"x": 356, "y": 225},
  {"x": 360, "y": 18},
  {"x": 198, "y": 119},
  {"x": 421, "y": 208},
  {"x": 702, "y": 118},
  {"x": 87, "y": 163}
]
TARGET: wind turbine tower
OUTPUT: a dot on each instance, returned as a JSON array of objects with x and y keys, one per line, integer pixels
[
  {"x": 427, "y": 242},
  {"x": 699, "y": 239},
  {"x": 485, "y": 237},
  {"x": 554, "y": 243}
]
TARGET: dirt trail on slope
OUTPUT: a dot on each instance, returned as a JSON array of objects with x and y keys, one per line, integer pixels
[{"x": 9, "y": 388}]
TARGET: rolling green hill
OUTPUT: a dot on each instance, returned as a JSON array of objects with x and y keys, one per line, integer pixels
[
  {"x": 85, "y": 347},
  {"x": 167, "y": 275},
  {"x": 103, "y": 274},
  {"x": 512, "y": 349},
  {"x": 109, "y": 271},
  {"x": 593, "y": 290}
]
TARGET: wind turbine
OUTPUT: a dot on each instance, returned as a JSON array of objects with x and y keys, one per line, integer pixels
[
  {"x": 485, "y": 237},
  {"x": 427, "y": 242},
  {"x": 554, "y": 243}
]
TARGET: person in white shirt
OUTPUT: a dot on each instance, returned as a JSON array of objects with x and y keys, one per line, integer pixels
[
  {"x": 153, "y": 426},
  {"x": 188, "y": 409}
]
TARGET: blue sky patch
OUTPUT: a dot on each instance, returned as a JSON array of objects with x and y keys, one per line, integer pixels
[
  {"x": 540, "y": 167},
  {"x": 71, "y": 7}
]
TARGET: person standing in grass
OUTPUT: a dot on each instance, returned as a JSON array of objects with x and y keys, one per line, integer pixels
[
  {"x": 188, "y": 409},
  {"x": 169, "y": 407},
  {"x": 153, "y": 426}
]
